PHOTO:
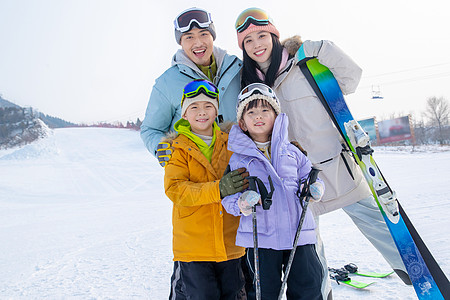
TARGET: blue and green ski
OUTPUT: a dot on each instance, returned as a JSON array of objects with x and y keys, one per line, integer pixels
[{"x": 427, "y": 277}]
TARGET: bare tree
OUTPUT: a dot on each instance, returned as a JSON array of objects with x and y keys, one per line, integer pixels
[{"x": 438, "y": 113}]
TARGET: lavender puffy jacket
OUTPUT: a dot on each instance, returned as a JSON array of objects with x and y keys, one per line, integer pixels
[{"x": 276, "y": 226}]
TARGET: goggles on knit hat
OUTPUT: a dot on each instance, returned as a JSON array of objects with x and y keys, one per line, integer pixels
[
  {"x": 191, "y": 17},
  {"x": 251, "y": 20},
  {"x": 252, "y": 16},
  {"x": 201, "y": 90},
  {"x": 255, "y": 91}
]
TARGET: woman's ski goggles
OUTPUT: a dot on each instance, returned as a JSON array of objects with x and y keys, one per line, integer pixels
[
  {"x": 198, "y": 86},
  {"x": 255, "y": 88},
  {"x": 184, "y": 20},
  {"x": 254, "y": 16}
]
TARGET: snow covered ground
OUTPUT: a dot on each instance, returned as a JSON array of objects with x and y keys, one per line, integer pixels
[{"x": 83, "y": 215}]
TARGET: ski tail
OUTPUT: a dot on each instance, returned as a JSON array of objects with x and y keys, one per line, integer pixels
[
  {"x": 441, "y": 280},
  {"x": 438, "y": 275}
]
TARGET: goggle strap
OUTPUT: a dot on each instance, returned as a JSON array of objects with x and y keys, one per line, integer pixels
[
  {"x": 193, "y": 19},
  {"x": 253, "y": 91},
  {"x": 251, "y": 20}
]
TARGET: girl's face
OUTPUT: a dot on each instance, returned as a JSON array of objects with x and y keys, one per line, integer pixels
[
  {"x": 258, "y": 45},
  {"x": 258, "y": 121}
]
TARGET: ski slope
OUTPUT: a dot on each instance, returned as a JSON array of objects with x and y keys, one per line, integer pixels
[{"x": 83, "y": 215}]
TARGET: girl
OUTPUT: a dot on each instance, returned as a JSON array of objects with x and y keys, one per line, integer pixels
[
  {"x": 265, "y": 154},
  {"x": 267, "y": 60}
]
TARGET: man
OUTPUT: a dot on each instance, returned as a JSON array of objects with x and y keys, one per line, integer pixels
[{"x": 198, "y": 58}]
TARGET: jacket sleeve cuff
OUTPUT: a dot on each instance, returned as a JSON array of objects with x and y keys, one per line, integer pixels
[{"x": 230, "y": 203}]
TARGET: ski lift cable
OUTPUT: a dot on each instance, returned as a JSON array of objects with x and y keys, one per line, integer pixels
[
  {"x": 406, "y": 70},
  {"x": 426, "y": 77}
]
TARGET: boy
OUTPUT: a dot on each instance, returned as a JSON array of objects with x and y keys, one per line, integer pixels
[{"x": 203, "y": 232}]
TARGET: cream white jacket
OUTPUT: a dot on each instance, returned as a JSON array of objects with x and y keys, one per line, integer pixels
[{"x": 311, "y": 126}]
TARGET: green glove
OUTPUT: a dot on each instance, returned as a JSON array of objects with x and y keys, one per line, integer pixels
[
  {"x": 233, "y": 182},
  {"x": 164, "y": 153}
]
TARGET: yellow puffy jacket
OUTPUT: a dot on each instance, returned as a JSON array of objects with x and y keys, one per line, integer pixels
[{"x": 202, "y": 229}]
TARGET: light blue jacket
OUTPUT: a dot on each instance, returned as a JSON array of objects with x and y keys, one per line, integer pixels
[
  {"x": 164, "y": 109},
  {"x": 278, "y": 225}
]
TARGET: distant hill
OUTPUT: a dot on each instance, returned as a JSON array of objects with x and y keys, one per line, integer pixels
[
  {"x": 54, "y": 122},
  {"x": 6, "y": 103},
  {"x": 50, "y": 121},
  {"x": 20, "y": 126}
]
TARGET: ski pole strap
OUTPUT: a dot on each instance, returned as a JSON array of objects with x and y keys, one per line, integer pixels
[
  {"x": 256, "y": 184},
  {"x": 312, "y": 177},
  {"x": 347, "y": 166}
]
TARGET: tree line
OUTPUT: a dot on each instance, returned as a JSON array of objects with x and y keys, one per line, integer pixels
[{"x": 434, "y": 125}]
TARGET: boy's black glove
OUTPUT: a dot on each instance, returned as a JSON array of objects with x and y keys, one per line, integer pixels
[{"x": 233, "y": 182}]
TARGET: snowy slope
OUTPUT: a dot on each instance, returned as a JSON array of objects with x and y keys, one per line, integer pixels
[{"x": 83, "y": 215}]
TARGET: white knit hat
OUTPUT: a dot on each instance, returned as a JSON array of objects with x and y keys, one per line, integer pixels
[
  {"x": 242, "y": 104},
  {"x": 199, "y": 97}
]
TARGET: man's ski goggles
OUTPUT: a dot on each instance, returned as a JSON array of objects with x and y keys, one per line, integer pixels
[
  {"x": 254, "y": 16},
  {"x": 256, "y": 88},
  {"x": 184, "y": 20},
  {"x": 198, "y": 86}
]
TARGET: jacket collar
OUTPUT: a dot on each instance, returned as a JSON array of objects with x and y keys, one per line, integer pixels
[
  {"x": 292, "y": 45},
  {"x": 182, "y": 141}
]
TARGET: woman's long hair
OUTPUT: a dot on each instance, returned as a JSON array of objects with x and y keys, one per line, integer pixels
[{"x": 249, "y": 65}]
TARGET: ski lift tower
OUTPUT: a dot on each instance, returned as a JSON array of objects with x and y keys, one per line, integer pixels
[{"x": 376, "y": 92}]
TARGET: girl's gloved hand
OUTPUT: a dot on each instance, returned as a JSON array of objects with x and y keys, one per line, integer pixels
[
  {"x": 247, "y": 200},
  {"x": 317, "y": 189}
]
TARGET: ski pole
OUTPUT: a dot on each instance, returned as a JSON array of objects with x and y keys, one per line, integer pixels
[
  {"x": 256, "y": 254},
  {"x": 305, "y": 193},
  {"x": 252, "y": 181}
]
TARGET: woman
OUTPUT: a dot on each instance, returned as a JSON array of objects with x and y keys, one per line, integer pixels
[{"x": 267, "y": 60}]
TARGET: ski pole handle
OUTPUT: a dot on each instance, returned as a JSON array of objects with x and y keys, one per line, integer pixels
[
  {"x": 313, "y": 174},
  {"x": 252, "y": 183}
]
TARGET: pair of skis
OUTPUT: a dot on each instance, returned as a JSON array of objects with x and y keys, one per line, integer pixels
[
  {"x": 427, "y": 277},
  {"x": 342, "y": 276}
]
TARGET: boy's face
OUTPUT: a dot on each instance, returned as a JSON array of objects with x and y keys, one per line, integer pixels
[
  {"x": 258, "y": 121},
  {"x": 201, "y": 116}
]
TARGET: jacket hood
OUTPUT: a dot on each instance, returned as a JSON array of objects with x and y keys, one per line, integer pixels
[{"x": 292, "y": 44}]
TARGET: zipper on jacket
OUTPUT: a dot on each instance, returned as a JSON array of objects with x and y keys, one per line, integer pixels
[{"x": 218, "y": 72}]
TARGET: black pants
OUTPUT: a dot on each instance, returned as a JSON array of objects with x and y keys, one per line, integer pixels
[
  {"x": 305, "y": 277},
  {"x": 210, "y": 280}
]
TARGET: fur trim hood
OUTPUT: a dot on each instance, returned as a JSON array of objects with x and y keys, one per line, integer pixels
[
  {"x": 171, "y": 135},
  {"x": 292, "y": 44}
]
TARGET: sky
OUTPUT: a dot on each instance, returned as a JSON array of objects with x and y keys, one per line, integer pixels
[{"x": 88, "y": 61}]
